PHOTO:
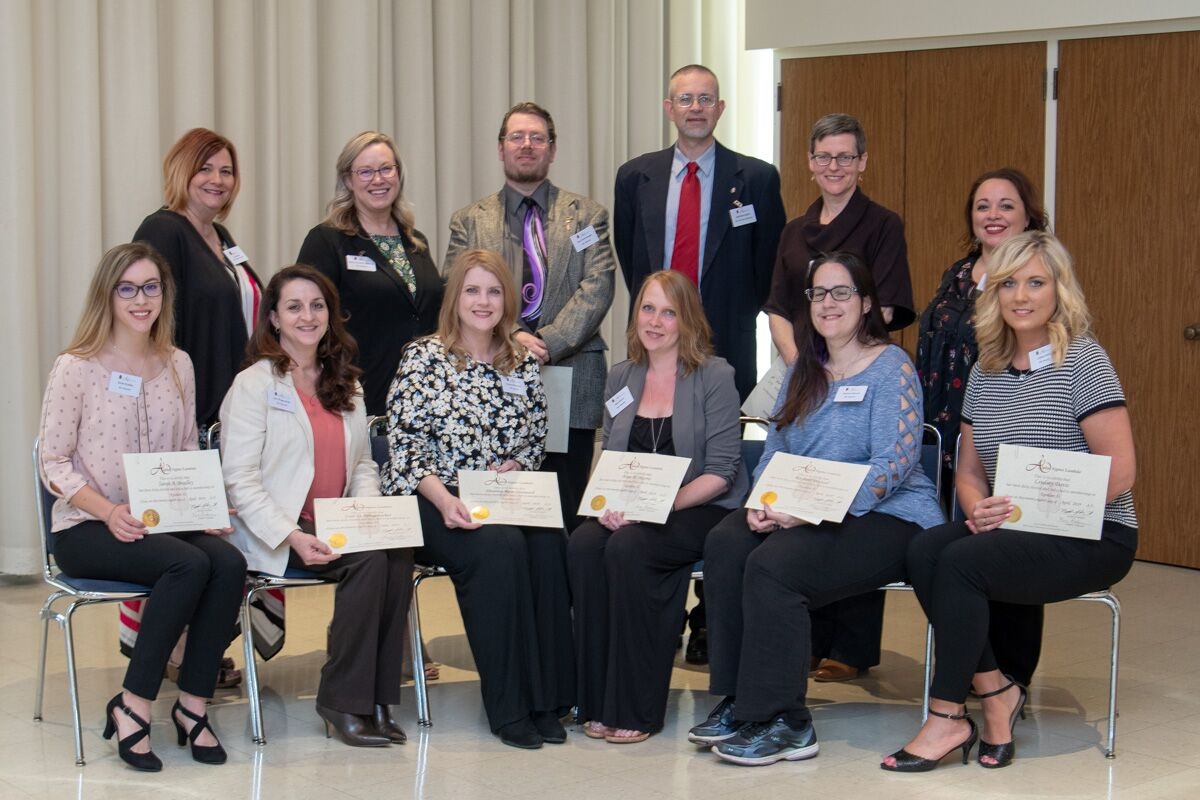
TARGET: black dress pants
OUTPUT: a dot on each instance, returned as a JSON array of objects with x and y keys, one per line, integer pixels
[
  {"x": 956, "y": 573},
  {"x": 629, "y": 588},
  {"x": 761, "y": 587},
  {"x": 198, "y": 581},
  {"x": 366, "y": 634},
  {"x": 512, "y": 590}
]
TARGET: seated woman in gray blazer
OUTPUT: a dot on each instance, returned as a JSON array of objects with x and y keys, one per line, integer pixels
[
  {"x": 629, "y": 579},
  {"x": 294, "y": 430}
]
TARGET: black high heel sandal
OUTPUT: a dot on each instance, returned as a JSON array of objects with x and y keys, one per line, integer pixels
[
  {"x": 205, "y": 754},
  {"x": 907, "y": 762},
  {"x": 1003, "y": 753},
  {"x": 146, "y": 762}
]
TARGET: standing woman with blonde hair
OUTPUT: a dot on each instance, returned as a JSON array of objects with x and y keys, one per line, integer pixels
[
  {"x": 121, "y": 386},
  {"x": 1041, "y": 381},
  {"x": 379, "y": 262},
  {"x": 470, "y": 397}
]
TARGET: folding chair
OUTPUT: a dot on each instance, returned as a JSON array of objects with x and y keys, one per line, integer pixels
[{"x": 80, "y": 591}]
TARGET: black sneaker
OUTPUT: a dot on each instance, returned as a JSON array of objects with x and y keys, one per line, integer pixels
[
  {"x": 719, "y": 726},
  {"x": 757, "y": 744}
]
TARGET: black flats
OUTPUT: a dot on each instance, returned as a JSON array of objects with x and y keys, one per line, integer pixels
[
  {"x": 146, "y": 762},
  {"x": 355, "y": 731},
  {"x": 205, "y": 754},
  {"x": 907, "y": 762},
  {"x": 1002, "y": 754}
]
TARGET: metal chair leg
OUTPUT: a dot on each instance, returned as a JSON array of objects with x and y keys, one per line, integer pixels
[
  {"x": 69, "y": 638},
  {"x": 928, "y": 671},
  {"x": 46, "y": 614},
  {"x": 424, "y": 718},
  {"x": 257, "y": 733},
  {"x": 1114, "y": 605}
]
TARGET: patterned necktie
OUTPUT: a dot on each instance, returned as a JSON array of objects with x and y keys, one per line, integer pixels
[
  {"x": 533, "y": 282},
  {"x": 685, "y": 257}
]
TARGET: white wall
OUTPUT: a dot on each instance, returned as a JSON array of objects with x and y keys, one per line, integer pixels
[{"x": 806, "y": 23}]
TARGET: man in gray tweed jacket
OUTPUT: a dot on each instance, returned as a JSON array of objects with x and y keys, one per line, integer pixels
[{"x": 556, "y": 243}]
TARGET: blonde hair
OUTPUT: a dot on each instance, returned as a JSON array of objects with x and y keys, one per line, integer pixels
[
  {"x": 96, "y": 322},
  {"x": 342, "y": 213},
  {"x": 184, "y": 160},
  {"x": 695, "y": 334},
  {"x": 1071, "y": 320},
  {"x": 449, "y": 328}
]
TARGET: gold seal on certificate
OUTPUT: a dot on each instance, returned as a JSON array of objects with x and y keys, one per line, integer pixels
[
  {"x": 811, "y": 489},
  {"x": 642, "y": 486},
  {"x": 511, "y": 498},
  {"x": 354, "y": 524},
  {"x": 182, "y": 491},
  {"x": 1059, "y": 492}
]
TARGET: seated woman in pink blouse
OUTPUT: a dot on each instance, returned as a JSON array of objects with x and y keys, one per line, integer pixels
[
  {"x": 122, "y": 387},
  {"x": 293, "y": 429}
]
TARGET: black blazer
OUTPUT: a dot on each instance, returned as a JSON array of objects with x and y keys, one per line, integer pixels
[
  {"x": 384, "y": 314},
  {"x": 735, "y": 275}
]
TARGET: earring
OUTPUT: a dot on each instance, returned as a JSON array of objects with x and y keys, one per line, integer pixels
[{"x": 276, "y": 331}]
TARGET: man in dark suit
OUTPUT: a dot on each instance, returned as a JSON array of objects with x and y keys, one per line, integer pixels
[
  {"x": 740, "y": 218},
  {"x": 716, "y": 216},
  {"x": 557, "y": 245}
]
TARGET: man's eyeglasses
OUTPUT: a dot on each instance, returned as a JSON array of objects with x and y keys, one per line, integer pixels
[
  {"x": 686, "y": 100},
  {"x": 518, "y": 139}
]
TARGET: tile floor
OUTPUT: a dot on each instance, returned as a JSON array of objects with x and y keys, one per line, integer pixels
[{"x": 1059, "y": 747}]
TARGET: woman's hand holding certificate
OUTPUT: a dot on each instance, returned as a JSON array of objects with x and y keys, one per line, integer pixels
[
  {"x": 1059, "y": 492},
  {"x": 181, "y": 491},
  {"x": 811, "y": 489},
  {"x": 351, "y": 524},
  {"x": 641, "y": 485},
  {"x": 511, "y": 498}
]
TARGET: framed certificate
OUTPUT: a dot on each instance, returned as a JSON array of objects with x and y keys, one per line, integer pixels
[
  {"x": 1059, "y": 492},
  {"x": 353, "y": 524},
  {"x": 511, "y": 498},
  {"x": 813, "y": 489},
  {"x": 640, "y": 485},
  {"x": 182, "y": 491}
]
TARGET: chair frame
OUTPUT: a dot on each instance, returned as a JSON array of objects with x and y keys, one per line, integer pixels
[{"x": 81, "y": 592}]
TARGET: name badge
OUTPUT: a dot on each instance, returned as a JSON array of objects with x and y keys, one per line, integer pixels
[
  {"x": 618, "y": 402},
  {"x": 281, "y": 400},
  {"x": 850, "y": 394},
  {"x": 511, "y": 384},
  {"x": 1042, "y": 357},
  {"x": 742, "y": 215},
  {"x": 585, "y": 238},
  {"x": 124, "y": 383},
  {"x": 360, "y": 263},
  {"x": 235, "y": 255}
]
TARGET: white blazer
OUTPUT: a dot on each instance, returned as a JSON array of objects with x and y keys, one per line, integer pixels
[{"x": 268, "y": 462}]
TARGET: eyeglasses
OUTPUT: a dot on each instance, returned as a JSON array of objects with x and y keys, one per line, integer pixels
[
  {"x": 518, "y": 138},
  {"x": 824, "y": 159},
  {"x": 367, "y": 174},
  {"x": 128, "y": 291},
  {"x": 686, "y": 100},
  {"x": 840, "y": 293}
]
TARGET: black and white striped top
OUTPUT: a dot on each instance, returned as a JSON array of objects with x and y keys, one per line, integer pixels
[{"x": 1043, "y": 408}]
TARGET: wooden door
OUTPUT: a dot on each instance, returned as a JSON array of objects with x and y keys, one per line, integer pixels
[
  {"x": 935, "y": 119},
  {"x": 1128, "y": 196}
]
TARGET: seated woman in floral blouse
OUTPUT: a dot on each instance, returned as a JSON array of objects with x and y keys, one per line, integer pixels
[{"x": 470, "y": 397}]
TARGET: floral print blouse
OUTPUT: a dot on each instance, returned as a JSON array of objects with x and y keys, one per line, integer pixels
[
  {"x": 946, "y": 351},
  {"x": 441, "y": 420}
]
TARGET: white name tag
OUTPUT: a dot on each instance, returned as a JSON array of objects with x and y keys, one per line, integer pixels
[
  {"x": 618, "y": 402},
  {"x": 281, "y": 400},
  {"x": 850, "y": 394},
  {"x": 511, "y": 384},
  {"x": 742, "y": 215},
  {"x": 585, "y": 238},
  {"x": 124, "y": 383},
  {"x": 1042, "y": 357},
  {"x": 235, "y": 255},
  {"x": 360, "y": 263}
]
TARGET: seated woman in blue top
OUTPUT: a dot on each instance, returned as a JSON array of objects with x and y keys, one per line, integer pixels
[
  {"x": 850, "y": 397},
  {"x": 1041, "y": 381},
  {"x": 629, "y": 579}
]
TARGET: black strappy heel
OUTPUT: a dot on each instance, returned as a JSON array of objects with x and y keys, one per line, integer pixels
[
  {"x": 205, "y": 754},
  {"x": 907, "y": 762},
  {"x": 146, "y": 762},
  {"x": 1003, "y": 753}
]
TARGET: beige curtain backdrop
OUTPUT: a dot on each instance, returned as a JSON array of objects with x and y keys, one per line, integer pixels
[{"x": 93, "y": 93}]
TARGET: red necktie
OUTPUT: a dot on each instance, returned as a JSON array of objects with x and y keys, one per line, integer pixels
[{"x": 685, "y": 257}]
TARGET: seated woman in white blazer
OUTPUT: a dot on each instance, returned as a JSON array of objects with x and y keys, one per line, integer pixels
[{"x": 293, "y": 429}]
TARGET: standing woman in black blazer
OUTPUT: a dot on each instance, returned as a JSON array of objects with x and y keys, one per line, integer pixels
[{"x": 378, "y": 261}]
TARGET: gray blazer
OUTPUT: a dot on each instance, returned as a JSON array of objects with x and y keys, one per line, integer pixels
[
  {"x": 579, "y": 287},
  {"x": 704, "y": 423}
]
